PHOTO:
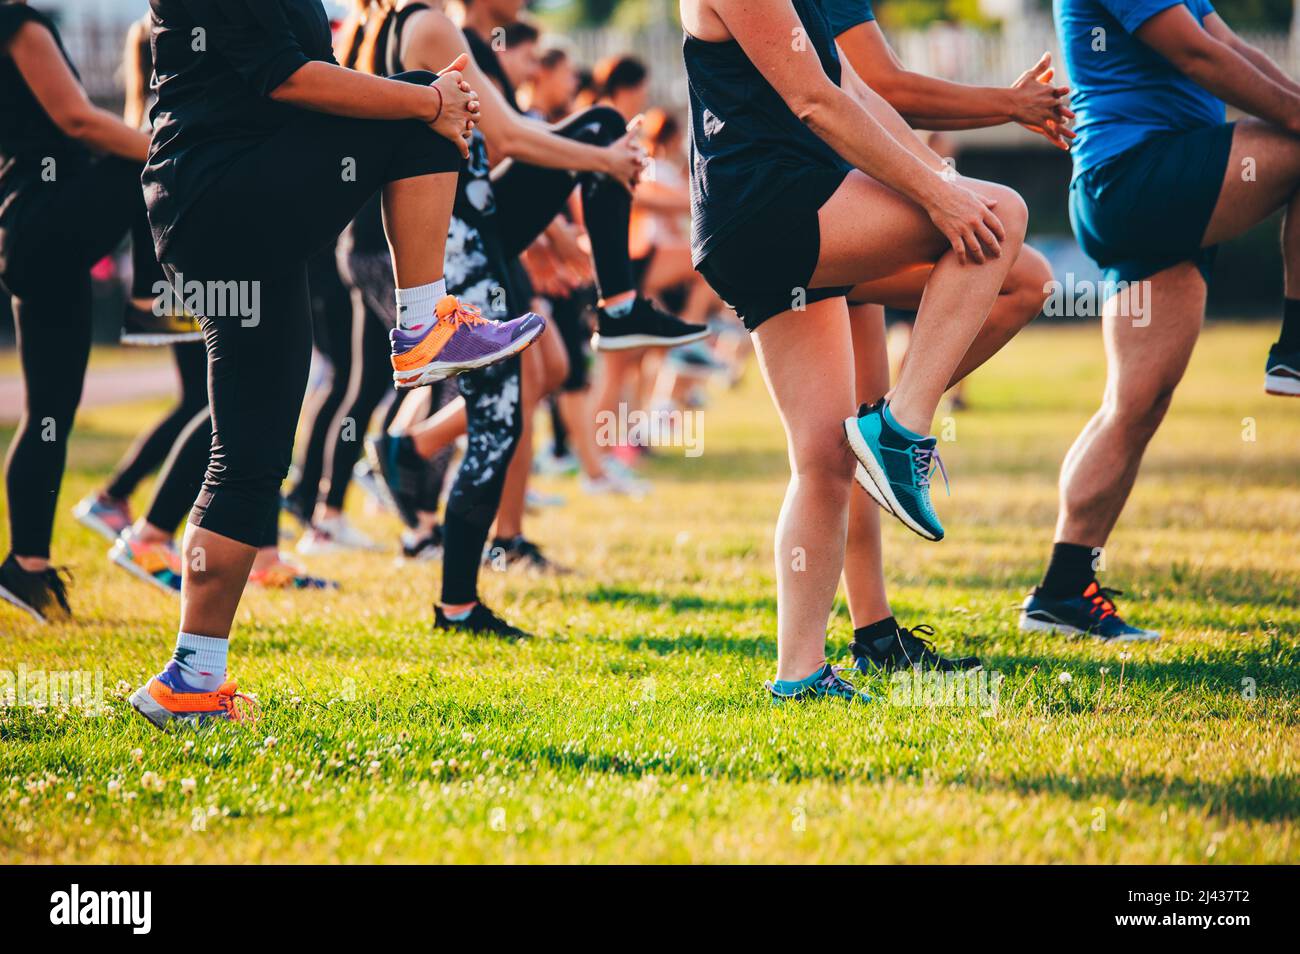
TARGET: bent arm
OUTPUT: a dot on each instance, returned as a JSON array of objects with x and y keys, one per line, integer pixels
[
  {"x": 1218, "y": 68},
  {"x": 430, "y": 37},
  {"x": 40, "y": 61},
  {"x": 915, "y": 95}
]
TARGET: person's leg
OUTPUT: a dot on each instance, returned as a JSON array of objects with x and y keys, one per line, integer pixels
[
  {"x": 149, "y": 452},
  {"x": 370, "y": 381},
  {"x": 864, "y": 571},
  {"x": 179, "y": 481},
  {"x": 1145, "y": 360},
  {"x": 897, "y": 235},
  {"x": 510, "y": 511},
  {"x": 810, "y": 532},
  {"x": 331, "y": 308}
]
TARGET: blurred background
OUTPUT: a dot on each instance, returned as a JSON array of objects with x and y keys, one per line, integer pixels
[{"x": 988, "y": 42}]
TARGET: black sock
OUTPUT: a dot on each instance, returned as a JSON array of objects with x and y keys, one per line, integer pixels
[
  {"x": 1070, "y": 570},
  {"x": 1289, "y": 339},
  {"x": 866, "y": 635}
]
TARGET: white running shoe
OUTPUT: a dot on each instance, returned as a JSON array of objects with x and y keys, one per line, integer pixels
[
  {"x": 333, "y": 535},
  {"x": 614, "y": 484}
]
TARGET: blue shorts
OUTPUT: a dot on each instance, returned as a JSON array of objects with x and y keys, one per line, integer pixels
[{"x": 1146, "y": 209}]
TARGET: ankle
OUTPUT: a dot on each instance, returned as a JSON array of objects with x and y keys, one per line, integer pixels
[
  {"x": 32, "y": 564},
  {"x": 453, "y": 610}
]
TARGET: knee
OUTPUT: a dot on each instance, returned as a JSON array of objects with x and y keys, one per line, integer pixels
[
  {"x": 599, "y": 125},
  {"x": 1030, "y": 289},
  {"x": 823, "y": 457},
  {"x": 1011, "y": 212}
]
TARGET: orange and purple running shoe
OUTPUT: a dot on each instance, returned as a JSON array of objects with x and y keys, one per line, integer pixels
[
  {"x": 152, "y": 562},
  {"x": 167, "y": 699},
  {"x": 459, "y": 340}
]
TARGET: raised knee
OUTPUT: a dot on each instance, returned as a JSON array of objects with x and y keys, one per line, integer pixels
[
  {"x": 1032, "y": 288},
  {"x": 1012, "y": 212}
]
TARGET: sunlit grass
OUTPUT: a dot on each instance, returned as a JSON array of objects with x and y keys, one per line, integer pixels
[{"x": 634, "y": 728}]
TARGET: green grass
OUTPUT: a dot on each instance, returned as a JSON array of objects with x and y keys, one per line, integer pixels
[{"x": 634, "y": 728}]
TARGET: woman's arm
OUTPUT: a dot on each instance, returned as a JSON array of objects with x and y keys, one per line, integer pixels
[
  {"x": 430, "y": 37},
  {"x": 40, "y": 61},
  {"x": 450, "y": 105},
  {"x": 763, "y": 29},
  {"x": 136, "y": 79}
]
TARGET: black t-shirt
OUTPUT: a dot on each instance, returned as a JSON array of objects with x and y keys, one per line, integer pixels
[
  {"x": 216, "y": 63},
  {"x": 487, "y": 60},
  {"x": 746, "y": 144},
  {"x": 32, "y": 148}
]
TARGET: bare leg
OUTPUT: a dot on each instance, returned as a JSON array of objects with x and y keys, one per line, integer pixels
[
  {"x": 895, "y": 236},
  {"x": 416, "y": 212},
  {"x": 810, "y": 531},
  {"x": 212, "y": 581},
  {"x": 1144, "y": 363}
]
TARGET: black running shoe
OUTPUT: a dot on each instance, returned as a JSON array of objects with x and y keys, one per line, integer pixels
[
  {"x": 645, "y": 326},
  {"x": 44, "y": 594},
  {"x": 906, "y": 650},
  {"x": 422, "y": 546},
  {"x": 518, "y": 552},
  {"x": 401, "y": 470},
  {"x": 481, "y": 621}
]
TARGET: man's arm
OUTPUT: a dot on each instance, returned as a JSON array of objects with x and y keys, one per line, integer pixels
[
  {"x": 1219, "y": 29},
  {"x": 1215, "y": 66},
  {"x": 932, "y": 103}
]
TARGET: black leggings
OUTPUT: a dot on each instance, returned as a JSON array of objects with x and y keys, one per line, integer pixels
[
  {"x": 258, "y": 225},
  {"x": 331, "y": 310},
  {"x": 151, "y": 450},
  {"x": 64, "y": 227}
]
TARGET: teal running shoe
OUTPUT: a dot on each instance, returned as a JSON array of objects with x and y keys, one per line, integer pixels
[
  {"x": 896, "y": 467},
  {"x": 824, "y": 682}
]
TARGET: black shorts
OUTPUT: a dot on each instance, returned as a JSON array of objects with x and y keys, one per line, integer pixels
[{"x": 763, "y": 265}]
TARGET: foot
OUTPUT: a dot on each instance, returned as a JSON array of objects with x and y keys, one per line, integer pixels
[
  {"x": 401, "y": 474},
  {"x": 696, "y": 361},
  {"x": 459, "y": 340},
  {"x": 153, "y": 562},
  {"x": 611, "y": 483},
  {"x": 140, "y": 326},
  {"x": 422, "y": 546},
  {"x": 645, "y": 326},
  {"x": 106, "y": 517},
  {"x": 300, "y": 511},
  {"x": 906, "y": 650},
  {"x": 363, "y": 475},
  {"x": 481, "y": 621},
  {"x": 42, "y": 594},
  {"x": 550, "y": 465},
  {"x": 335, "y": 534},
  {"x": 284, "y": 575},
  {"x": 535, "y": 500},
  {"x": 896, "y": 468},
  {"x": 825, "y": 682},
  {"x": 1282, "y": 373},
  {"x": 1092, "y": 613},
  {"x": 521, "y": 553},
  {"x": 167, "y": 699}
]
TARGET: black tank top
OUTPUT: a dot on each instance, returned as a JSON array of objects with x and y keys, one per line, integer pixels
[
  {"x": 746, "y": 144},
  {"x": 31, "y": 145}
]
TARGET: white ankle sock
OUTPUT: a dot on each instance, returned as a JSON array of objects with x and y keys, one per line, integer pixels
[
  {"x": 415, "y": 306},
  {"x": 202, "y": 660}
]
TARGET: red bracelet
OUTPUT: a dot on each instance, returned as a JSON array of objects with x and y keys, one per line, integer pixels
[{"x": 439, "y": 112}]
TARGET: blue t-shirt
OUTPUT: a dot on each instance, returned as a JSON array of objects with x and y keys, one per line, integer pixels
[
  {"x": 1124, "y": 91},
  {"x": 846, "y": 14}
]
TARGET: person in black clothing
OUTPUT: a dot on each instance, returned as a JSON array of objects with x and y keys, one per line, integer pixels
[
  {"x": 263, "y": 150},
  {"x": 69, "y": 192}
]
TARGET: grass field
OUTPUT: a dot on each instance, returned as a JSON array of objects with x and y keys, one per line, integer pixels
[{"x": 635, "y": 730}]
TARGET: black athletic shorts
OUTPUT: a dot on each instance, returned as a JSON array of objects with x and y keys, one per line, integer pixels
[{"x": 763, "y": 266}]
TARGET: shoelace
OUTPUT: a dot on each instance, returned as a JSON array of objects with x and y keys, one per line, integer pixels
[
  {"x": 58, "y": 579},
  {"x": 834, "y": 681},
  {"x": 466, "y": 314},
  {"x": 238, "y": 705},
  {"x": 1103, "y": 606},
  {"x": 910, "y": 642},
  {"x": 924, "y": 460}
]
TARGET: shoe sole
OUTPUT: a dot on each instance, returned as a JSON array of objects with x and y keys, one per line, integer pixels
[
  {"x": 1030, "y": 625},
  {"x": 437, "y": 371},
  {"x": 137, "y": 571},
  {"x": 866, "y": 483},
  {"x": 14, "y": 600},
  {"x": 155, "y": 340},
  {"x": 1281, "y": 385},
  {"x": 884, "y": 495},
  {"x": 91, "y": 522},
  {"x": 628, "y": 342}
]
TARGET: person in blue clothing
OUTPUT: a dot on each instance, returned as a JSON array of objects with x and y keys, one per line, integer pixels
[{"x": 1160, "y": 179}]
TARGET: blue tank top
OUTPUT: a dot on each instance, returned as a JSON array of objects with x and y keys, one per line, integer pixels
[{"x": 746, "y": 144}]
